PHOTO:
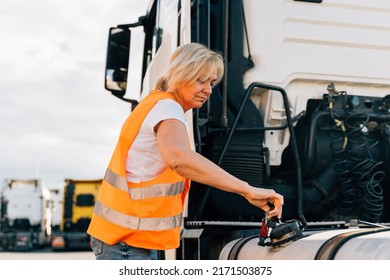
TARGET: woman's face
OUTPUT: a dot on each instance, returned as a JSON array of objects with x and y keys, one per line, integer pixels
[{"x": 194, "y": 95}]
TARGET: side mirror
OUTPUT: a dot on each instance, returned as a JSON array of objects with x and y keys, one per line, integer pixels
[{"x": 117, "y": 61}]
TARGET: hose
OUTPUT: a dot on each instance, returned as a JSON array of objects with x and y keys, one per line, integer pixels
[{"x": 359, "y": 189}]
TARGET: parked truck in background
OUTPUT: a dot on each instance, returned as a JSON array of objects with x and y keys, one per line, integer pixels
[
  {"x": 78, "y": 200},
  {"x": 303, "y": 108},
  {"x": 25, "y": 221},
  {"x": 56, "y": 196}
]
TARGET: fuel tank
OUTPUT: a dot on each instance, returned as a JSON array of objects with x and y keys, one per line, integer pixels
[{"x": 334, "y": 244}]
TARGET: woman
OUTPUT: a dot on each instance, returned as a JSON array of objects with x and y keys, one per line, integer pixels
[{"x": 140, "y": 204}]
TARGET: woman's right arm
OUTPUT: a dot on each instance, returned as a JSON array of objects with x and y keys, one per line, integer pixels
[{"x": 174, "y": 146}]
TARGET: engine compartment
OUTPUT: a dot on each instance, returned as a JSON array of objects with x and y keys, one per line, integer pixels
[
  {"x": 344, "y": 151},
  {"x": 343, "y": 143}
]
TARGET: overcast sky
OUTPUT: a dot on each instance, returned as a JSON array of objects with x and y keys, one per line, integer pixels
[{"x": 57, "y": 121}]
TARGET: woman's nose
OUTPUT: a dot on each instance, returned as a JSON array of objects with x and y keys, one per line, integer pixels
[{"x": 207, "y": 88}]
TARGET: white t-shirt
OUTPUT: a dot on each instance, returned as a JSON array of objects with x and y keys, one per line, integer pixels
[{"x": 144, "y": 161}]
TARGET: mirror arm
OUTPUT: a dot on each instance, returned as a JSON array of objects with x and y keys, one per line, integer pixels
[
  {"x": 133, "y": 102},
  {"x": 140, "y": 22}
]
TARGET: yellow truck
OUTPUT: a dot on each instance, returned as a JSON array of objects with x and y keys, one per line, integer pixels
[{"x": 78, "y": 201}]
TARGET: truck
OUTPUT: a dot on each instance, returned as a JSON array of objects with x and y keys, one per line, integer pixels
[
  {"x": 56, "y": 196},
  {"x": 78, "y": 200},
  {"x": 303, "y": 109},
  {"x": 25, "y": 210}
]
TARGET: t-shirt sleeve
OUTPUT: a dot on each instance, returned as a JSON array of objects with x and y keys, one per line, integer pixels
[{"x": 163, "y": 110}]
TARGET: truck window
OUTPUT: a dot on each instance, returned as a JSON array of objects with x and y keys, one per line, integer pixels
[
  {"x": 85, "y": 200},
  {"x": 165, "y": 10}
]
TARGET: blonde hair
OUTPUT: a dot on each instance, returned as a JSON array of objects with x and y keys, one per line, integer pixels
[{"x": 189, "y": 63}]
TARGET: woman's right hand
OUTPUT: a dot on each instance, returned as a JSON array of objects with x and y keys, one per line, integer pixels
[{"x": 266, "y": 199}]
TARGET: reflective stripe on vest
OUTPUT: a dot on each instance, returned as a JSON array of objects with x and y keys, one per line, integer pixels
[
  {"x": 136, "y": 223},
  {"x": 167, "y": 189}
]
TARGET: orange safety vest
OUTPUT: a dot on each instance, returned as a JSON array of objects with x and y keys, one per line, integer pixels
[{"x": 146, "y": 214}]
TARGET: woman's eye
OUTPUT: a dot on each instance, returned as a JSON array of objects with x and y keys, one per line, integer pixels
[{"x": 212, "y": 83}]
